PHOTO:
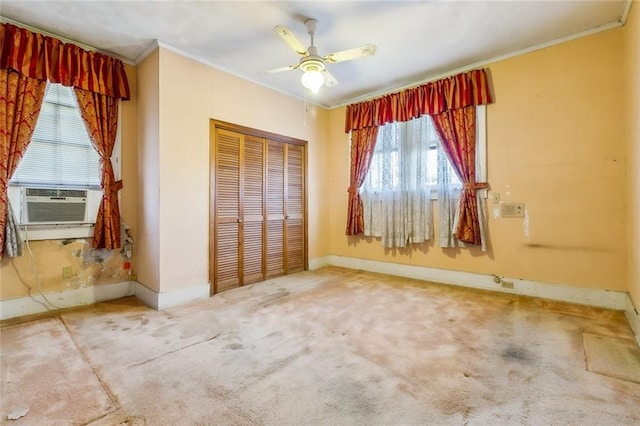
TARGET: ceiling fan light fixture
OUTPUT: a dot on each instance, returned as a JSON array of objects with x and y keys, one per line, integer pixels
[
  {"x": 312, "y": 65},
  {"x": 313, "y": 80}
]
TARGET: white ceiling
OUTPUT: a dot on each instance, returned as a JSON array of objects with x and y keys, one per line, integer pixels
[{"x": 416, "y": 40}]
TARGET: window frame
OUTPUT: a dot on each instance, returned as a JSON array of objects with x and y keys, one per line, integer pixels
[
  {"x": 481, "y": 151},
  {"x": 65, "y": 230},
  {"x": 481, "y": 147}
]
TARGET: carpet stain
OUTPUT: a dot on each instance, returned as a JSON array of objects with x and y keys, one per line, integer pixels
[
  {"x": 453, "y": 402},
  {"x": 138, "y": 318},
  {"x": 234, "y": 346},
  {"x": 327, "y": 347},
  {"x": 161, "y": 332},
  {"x": 518, "y": 354},
  {"x": 270, "y": 299}
]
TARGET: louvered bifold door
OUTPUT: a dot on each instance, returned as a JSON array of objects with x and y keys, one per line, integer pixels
[
  {"x": 258, "y": 208},
  {"x": 252, "y": 202},
  {"x": 294, "y": 209},
  {"x": 275, "y": 209},
  {"x": 227, "y": 211}
]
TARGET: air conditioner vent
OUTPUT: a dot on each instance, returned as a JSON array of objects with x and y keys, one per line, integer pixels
[
  {"x": 54, "y": 206},
  {"x": 55, "y": 192},
  {"x": 55, "y": 212}
]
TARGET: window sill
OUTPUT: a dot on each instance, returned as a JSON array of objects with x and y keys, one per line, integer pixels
[
  {"x": 484, "y": 193},
  {"x": 56, "y": 232}
]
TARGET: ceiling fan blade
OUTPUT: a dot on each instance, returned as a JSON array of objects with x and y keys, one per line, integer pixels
[
  {"x": 349, "y": 54},
  {"x": 281, "y": 69},
  {"x": 291, "y": 40},
  {"x": 329, "y": 80}
]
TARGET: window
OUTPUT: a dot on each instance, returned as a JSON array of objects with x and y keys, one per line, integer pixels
[
  {"x": 408, "y": 170},
  {"x": 60, "y": 153},
  {"x": 408, "y": 156},
  {"x": 59, "y": 158},
  {"x": 408, "y": 152}
]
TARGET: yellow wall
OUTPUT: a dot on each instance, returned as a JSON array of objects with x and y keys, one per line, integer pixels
[
  {"x": 555, "y": 141},
  {"x": 632, "y": 81},
  {"x": 190, "y": 94},
  {"x": 148, "y": 174},
  {"x": 88, "y": 267}
]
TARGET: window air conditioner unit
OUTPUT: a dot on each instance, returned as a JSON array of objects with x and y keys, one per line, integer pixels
[{"x": 42, "y": 206}]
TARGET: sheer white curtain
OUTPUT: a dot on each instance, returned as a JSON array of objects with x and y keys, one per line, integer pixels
[
  {"x": 449, "y": 188},
  {"x": 449, "y": 208},
  {"x": 396, "y": 195},
  {"x": 408, "y": 170}
]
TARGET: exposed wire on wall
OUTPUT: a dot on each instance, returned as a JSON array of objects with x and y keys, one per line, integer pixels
[
  {"x": 35, "y": 273},
  {"x": 127, "y": 254},
  {"x": 24, "y": 283},
  {"x": 305, "y": 107}
]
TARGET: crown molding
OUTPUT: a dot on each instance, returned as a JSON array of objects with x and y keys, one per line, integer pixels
[{"x": 64, "y": 39}]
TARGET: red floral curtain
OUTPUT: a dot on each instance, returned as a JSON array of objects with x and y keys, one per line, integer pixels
[
  {"x": 457, "y": 131},
  {"x": 458, "y": 91},
  {"x": 363, "y": 142},
  {"x": 20, "y": 102},
  {"x": 46, "y": 58},
  {"x": 100, "y": 116}
]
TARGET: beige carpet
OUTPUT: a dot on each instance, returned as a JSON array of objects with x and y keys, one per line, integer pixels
[
  {"x": 329, "y": 347},
  {"x": 613, "y": 357},
  {"x": 45, "y": 377}
]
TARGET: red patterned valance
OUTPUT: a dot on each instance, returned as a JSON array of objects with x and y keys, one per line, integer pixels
[
  {"x": 46, "y": 58},
  {"x": 458, "y": 91}
]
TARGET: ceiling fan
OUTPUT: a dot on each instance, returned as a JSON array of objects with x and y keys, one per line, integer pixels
[{"x": 313, "y": 65}]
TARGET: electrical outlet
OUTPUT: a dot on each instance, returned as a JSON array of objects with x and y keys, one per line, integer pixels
[
  {"x": 507, "y": 284},
  {"x": 512, "y": 210},
  {"x": 67, "y": 272}
]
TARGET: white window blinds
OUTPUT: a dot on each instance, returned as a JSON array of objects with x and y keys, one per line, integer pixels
[{"x": 60, "y": 153}]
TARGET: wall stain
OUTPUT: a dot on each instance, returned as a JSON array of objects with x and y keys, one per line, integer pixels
[{"x": 566, "y": 247}]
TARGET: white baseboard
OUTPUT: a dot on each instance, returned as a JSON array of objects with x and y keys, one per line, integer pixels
[
  {"x": 160, "y": 301},
  {"x": 633, "y": 316},
  {"x": 581, "y": 295},
  {"x": 12, "y": 308},
  {"x": 318, "y": 262}
]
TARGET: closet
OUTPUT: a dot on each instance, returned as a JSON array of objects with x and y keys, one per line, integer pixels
[{"x": 258, "y": 206}]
